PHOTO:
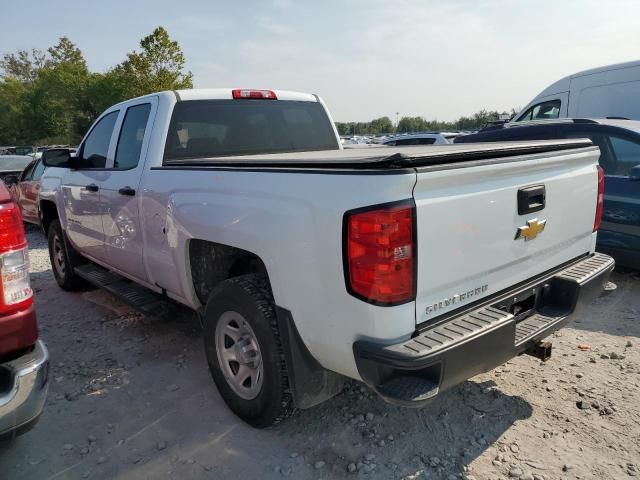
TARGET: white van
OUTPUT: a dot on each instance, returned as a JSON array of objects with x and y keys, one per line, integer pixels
[{"x": 611, "y": 91}]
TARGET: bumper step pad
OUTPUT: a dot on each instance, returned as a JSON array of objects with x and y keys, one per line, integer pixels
[
  {"x": 139, "y": 297},
  {"x": 409, "y": 388},
  {"x": 439, "y": 338}
]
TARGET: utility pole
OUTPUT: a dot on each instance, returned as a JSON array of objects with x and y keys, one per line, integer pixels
[{"x": 397, "y": 121}]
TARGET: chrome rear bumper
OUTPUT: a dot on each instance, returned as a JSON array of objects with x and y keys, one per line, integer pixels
[{"x": 22, "y": 401}]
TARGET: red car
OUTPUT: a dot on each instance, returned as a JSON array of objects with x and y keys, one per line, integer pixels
[
  {"x": 24, "y": 360},
  {"x": 25, "y": 188}
]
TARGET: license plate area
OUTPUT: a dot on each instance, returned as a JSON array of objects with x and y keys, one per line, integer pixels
[{"x": 555, "y": 298}]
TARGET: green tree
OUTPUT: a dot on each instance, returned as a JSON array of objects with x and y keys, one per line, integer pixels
[
  {"x": 51, "y": 105},
  {"x": 159, "y": 65},
  {"x": 22, "y": 65},
  {"x": 52, "y": 97},
  {"x": 12, "y": 126},
  {"x": 65, "y": 52}
]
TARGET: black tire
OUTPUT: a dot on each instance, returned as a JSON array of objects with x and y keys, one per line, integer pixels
[
  {"x": 64, "y": 258},
  {"x": 250, "y": 296}
]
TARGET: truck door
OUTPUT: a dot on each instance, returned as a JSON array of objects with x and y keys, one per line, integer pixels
[
  {"x": 123, "y": 239},
  {"x": 81, "y": 188}
]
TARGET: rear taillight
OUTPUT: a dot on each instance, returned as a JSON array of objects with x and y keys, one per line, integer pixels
[
  {"x": 15, "y": 286},
  {"x": 243, "y": 93},
  {"x": 599, "y": 205},
  {"x": 380, "y": 253}
]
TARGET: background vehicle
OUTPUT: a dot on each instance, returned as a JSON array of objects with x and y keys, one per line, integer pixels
[
  {"x": 417, "y": 139},
  {"x": 20, "y": 151},
  {"x": 619, "y": 143},
  {"x": 409, "y": 268},
  {"x": 25, "y": 188},
  {"x": 611, "y": 91},
  {"x": 12, "y": 166},
  {"x": 24, "y": 361}
]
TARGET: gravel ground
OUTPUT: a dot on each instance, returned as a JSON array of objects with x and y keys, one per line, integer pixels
[{"x": 131, "y": 397}]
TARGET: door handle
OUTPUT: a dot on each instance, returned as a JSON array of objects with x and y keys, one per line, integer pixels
[
  {"x": 127, "y": 191},
  {"x": 92, "y": 188}
]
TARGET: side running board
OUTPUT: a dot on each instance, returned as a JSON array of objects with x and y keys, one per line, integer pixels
[{"x": 137, "y": 296}]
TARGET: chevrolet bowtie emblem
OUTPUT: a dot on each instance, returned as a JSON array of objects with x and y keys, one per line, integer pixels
[{"x": 531, "y": 231}]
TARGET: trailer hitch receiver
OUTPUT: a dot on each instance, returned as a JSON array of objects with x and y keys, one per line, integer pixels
[{"x": 541, "y": 350}]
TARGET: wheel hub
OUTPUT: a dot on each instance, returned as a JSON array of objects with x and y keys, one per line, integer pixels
[
  {"x": 239, "y": 356},
  {"x": 58, "y": 256},
  {"x": 247, "y": 351}
]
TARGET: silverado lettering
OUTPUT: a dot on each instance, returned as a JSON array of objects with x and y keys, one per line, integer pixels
[{"x": 458, "y": 298}]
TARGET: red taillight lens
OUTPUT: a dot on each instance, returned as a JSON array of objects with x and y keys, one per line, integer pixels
[
  {"x": 248, "y": 94},
  {"x": 15, "y": 286},
  {"x": 599, "y": 205},
  {"x": 380, "y": 253},
  {"x": 11, "y": 228}
]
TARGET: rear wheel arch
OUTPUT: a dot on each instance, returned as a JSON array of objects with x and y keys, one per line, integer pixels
[{"x": 212, "y": 263}]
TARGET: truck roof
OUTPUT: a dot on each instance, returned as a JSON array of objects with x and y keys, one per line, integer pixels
[{"x": 225, "y": 94}]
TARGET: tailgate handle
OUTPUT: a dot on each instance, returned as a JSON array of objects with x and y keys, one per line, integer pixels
[{"x": 531, "y": 199}]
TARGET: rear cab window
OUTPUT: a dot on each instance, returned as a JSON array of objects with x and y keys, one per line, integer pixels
[{"x": 215, "y": 128}]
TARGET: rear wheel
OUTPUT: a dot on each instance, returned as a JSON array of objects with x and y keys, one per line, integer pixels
[
  {"x": 244, "y": 351},
  {"x": 64, "y": 258}
]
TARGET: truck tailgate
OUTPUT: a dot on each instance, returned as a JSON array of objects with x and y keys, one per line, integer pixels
[{"x": 468, "y": 221}]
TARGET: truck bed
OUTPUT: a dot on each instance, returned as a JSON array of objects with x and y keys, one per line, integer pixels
[{"x": 388, "y": 157}]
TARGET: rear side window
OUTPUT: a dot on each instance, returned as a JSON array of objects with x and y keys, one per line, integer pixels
[
  {"x": 96, "y": 146},
  {"x": 131, "y": 137},
  {"x": 214, "y": 128},
  {"x": 627, "y": 155},
  {"x": 542, "y": 111}
]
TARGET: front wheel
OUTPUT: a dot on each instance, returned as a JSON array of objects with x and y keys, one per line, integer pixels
[
  {"x": 244, "y": 351},
  {"x": 63, "y": 258}
]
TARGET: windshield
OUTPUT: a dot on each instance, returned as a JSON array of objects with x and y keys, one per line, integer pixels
[{"x": 214, "y": 128}]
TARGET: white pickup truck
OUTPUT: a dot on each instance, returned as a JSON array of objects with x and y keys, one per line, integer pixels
[{"x": 410, "y": 269}]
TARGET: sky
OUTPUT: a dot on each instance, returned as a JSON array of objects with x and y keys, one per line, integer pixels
[{"x": 366, "y": 59}]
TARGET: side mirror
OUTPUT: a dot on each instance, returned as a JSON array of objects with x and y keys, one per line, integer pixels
[
  {"x": 634, "y": 174},
  {"x": 58, "y": 157},
  {"x": 10, "y": 179}
]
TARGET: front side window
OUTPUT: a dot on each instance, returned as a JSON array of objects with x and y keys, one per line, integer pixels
[
  {"x": 38, "y": 171},
  {"x": 96, "y": 146},
  {"x": 543, "y": 111},
  {"x": 627, "y": 155},
  {"x": 131, "y": 137},
  {"x": 215, "y": 128}
]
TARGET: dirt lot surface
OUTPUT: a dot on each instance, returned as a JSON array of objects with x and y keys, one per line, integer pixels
[{"x": 130, "y": 397}]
